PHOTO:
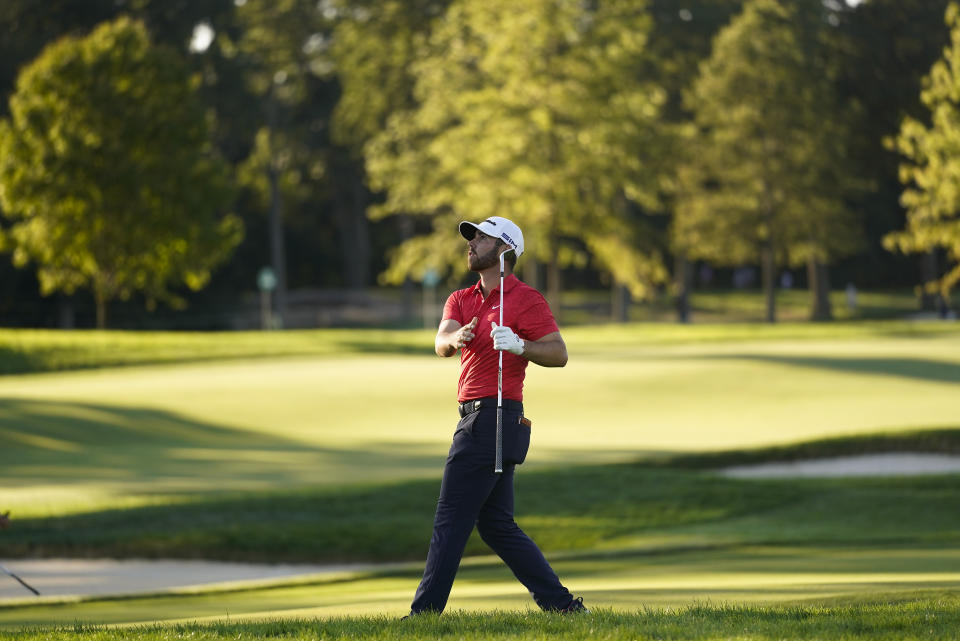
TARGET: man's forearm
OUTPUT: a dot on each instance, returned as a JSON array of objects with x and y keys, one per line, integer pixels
[
  {"x": 551, "y": 353},
  {"x": 444, "y": 344}
]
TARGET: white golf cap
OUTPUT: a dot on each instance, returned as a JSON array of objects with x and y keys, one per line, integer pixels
[{"x": 502, "y": 228}]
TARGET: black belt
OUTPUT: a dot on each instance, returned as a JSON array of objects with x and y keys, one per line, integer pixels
[{"x": 469, "y": 407}]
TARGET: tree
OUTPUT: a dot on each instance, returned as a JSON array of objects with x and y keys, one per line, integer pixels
[
  {"x": 278, "y": 39},
  {"x": 534, "y": 111},
  {"x": 679, "y": 42},
  {"x": 372, "y": 49},
  {"x": 888, "y": 46},
  {"x": 106, "y": 171},
  {"x": 764, "y": 177},
  {"x": 931, "y": 172}
]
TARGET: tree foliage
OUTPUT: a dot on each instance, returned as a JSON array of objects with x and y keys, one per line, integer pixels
[
  {"x": 372, "y": 49},
  {"x": 107, "y": 174},
  {"x": 931, "y": 172},
  {"x": 764, "y": 180},
  {"x": 533, "y": 111}
]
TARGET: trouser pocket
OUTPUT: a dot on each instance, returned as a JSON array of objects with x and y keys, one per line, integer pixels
[{"x": 516, "y": 438}]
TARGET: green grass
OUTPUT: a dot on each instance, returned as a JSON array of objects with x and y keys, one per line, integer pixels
[
  {"x": 30, "y": 351},
  {"x": 624, "y": 536},
  {"x": 740, "y": 306},
  {"x": 565, "y": 510},
  {"x": 931, "y": 616},
  {"x": 326, "y": 446},
  {"x": 81, "y": 441}
]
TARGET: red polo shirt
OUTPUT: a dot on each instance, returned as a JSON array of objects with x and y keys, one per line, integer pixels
[{"x": 526, "y": 312}]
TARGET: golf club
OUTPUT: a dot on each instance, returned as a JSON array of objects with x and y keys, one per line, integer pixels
[
  {"x": 498, "y": 464},
  {"x": 19, "y": 580}
]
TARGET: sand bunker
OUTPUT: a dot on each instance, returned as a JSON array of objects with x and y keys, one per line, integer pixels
[{"x": 893, "y": 464}]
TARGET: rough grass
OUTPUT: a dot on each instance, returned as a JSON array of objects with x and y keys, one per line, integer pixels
[
  {"x": 665, "y": 528},
  {"x": 569, "y": 509},
  {"x": 931, "y": 616}
]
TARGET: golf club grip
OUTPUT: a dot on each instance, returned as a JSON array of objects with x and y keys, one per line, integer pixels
[{"x": 498, "y": 466}]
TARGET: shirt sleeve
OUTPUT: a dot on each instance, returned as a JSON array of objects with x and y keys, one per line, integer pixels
[
  {"x": 537, "y": 320},
  {"x": 452, "y": 309}
]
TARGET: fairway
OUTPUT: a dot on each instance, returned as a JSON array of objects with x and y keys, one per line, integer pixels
[
  {"x": 335, "y": 456},
  {"x": 623, "y": 582},
  {"x": 81, "y": 440}
]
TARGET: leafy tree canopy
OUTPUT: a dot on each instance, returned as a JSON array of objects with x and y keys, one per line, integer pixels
[
  {"x": 765, "y": 170},
  {"x": 932, "y": 168},
  {"x": 533, "y": 111},
  {"x": 106, "y": 172}
]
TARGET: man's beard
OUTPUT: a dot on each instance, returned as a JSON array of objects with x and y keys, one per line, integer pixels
[{"x": 478, "y": 263}]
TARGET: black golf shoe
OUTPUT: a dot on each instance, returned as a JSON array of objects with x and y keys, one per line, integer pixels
[{"x": 575, "y": 606}]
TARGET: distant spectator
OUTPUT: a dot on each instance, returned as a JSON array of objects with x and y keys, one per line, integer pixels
[
  {"x": 743, "y": 277},
  {"x": 4, "y": 520},
  {"x": 706, "y": 275},
  {"x": 786, "y": 280},
  {"x": 852, "y": 297}
]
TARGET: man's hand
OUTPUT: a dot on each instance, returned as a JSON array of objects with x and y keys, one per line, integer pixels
[
  {"x": 452, "y": 336},
  {"x": 505, "y": 340},
  {"x": 465, "y": 334}
]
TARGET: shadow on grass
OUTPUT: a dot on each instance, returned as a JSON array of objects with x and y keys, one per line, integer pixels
[
  {"x": 913, "y": 368},
  {"x": 945, "y": 440},
  {"x": 154, "y": 451},
  {"x": 14, "y": 361},
  {"x": 576, "y": 509}
]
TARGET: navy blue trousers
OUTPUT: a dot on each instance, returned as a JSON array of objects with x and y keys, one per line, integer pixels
[{"x": 471, "y": 494}]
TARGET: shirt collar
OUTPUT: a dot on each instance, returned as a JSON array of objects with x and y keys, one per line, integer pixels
[{"x": 509, "y": 282}]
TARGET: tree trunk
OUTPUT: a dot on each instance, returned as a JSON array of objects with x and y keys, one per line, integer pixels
[
  {"x": 929, "y": 301},
  {"x": 351, "y": 204},
  {"x": 361, "y": 245},
  {"x": 683, "y": 281},
  {"x": 278, "y": 251},
  {"x": 405, "y": 229},
  {"x": 619, "y": 303},
  {"x": 819, "y": 282},
  {"x": 101, "y": 305},
  {"x": 767, "y": 257},
  {"x": 531, "y": 273},
  {"x": 553, "y": 282},
  {"x": 67, "y": 316},
  {"x": 769, "y": 269}
]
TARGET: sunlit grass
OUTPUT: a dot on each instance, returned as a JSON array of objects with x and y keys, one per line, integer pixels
[
  {"x": 751, "y": 577},
  {"x": 567, "y": 510},
  {"x": 72, "y": 440},
  {"x": 328, "y": 446},
  {"x": 928, "y": 616}
]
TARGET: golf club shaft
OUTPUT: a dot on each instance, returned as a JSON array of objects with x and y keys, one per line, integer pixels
[
  {"x": 19, "y": 580},
  {"x": 498, "y": 464}
]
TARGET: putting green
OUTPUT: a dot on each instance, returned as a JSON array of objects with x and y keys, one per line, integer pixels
[{"x": 76, "y": 441}]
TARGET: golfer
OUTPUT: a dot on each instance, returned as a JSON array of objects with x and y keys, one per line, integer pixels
[{"x": 472, "y": 492}]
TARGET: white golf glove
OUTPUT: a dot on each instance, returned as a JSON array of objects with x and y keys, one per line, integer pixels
[{"x": 505, "y": 340}]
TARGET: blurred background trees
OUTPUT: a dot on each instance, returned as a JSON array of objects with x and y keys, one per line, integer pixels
[
  {"x": 931, "y": 171},
  {"x": 633, "y": 140},
  {"x": 766, "y": 176},
  {"x": 89, "y": 119}
]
